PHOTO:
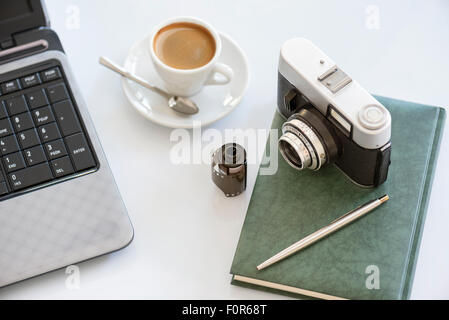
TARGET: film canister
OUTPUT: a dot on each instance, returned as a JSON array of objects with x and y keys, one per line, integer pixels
[{"x": 229, "y": 169}]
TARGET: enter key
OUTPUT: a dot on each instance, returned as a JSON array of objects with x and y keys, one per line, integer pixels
[{"x": 80, "y": 152}]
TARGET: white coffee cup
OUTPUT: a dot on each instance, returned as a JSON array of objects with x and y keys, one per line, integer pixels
[{"x": 187, "y": 82}]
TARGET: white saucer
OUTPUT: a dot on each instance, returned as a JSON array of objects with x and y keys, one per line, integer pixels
[{"x": 214, "y": 102}]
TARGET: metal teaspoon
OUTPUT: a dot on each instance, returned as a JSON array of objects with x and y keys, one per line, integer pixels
[{"x": 179, "y": 104}]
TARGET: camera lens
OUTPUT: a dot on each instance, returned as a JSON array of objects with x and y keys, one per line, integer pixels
[
  {"x": 306, "y": 141},
  {"x": 291, "y": 154},
  {"x": 300, "y": 146},
  {"x": 294, "y": 151}
]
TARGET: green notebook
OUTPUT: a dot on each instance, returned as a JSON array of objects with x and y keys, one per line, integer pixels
[{"x": 372, "y": 258}]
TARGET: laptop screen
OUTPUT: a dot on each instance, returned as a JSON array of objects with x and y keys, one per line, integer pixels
[
  {"x": 13, "y": 9},
  {"x": 20, "y": 15}
]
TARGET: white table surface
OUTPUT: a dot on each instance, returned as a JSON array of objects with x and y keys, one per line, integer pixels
[{"x": 186, "y": 232}]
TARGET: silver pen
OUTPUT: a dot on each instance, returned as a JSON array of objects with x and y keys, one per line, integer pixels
[{"x": 325, "y": 231}]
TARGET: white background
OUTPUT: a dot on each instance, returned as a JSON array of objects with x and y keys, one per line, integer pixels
[{"x": 186, "y": 231}]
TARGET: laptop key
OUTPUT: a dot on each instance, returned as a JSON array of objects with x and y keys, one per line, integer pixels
[
  {"x": 30, "y": 176},
  {"x": 50, "y": 74},
  {"x": 28, "y": 138},
  {"x": 10, "y": 86},
  {"x": 67, "y": 119},
  {"x": 3, "y": 188},
  {"x": 43, "y": 116},
  {"x": 55, "y": 149},
  {"x": 34, "y": 155},
  {"x": 3, "y": 113},
  {"x": 62, "y": 167},
  {"x": 30, "y": 80},
  {"x": 49, "y": 132},
  {"x": 5, "y": 128},
  {"x": 57, "y": 93},
  {"x": 16, "y": 105},
  {"x": 8, "y": 145},
  {"x": 80, "y": 152},
  {"x": 37, "y": 99},
  {"x": 13, "y": 161},
  {"x": 22, "y": 122}
]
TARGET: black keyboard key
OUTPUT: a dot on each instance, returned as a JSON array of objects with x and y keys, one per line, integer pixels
[
  {"x": 3, "y": 188},
  {"x": 62, "y": 167},
  {"x": 30, "y": 80},
  {"x": 43, "y": 116},
  {"x": 13, "y": 162},
  {"x": 34, "y": 155},
  {"x": 8, "y": 145},
  {"x": 3, "y": 113},
  {"x": 30, "y": 176},
  {"x": 57, "y": 93},
  {"x": 16, "y": 105},
  {"x": 37, "y": 99},
  {"x": 50, "y": 74},
  {"x": 49, "y": 132},
  {"x": 5, "y": 128},
  {"x": 28, "y": 139},
  {"x": 67, "y": 119},
  {"x": 10, "y": 86},
  {"x": 55, "y": 149},
  {"x": 2, "y": 177},
  {"x": 80, "y": 152},
  {"x": 22, "y": 122}
]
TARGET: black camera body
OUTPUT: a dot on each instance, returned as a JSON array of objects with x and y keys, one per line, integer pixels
[{"x": 330, "y": 117}]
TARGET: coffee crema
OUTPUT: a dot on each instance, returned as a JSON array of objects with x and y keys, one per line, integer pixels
[{"x": 184, "y": 45}]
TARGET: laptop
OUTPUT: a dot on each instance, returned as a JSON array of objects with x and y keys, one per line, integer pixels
[{"x": 59, "y": 203}]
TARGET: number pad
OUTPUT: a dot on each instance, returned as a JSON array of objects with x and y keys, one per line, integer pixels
[{"x": 41, "y": 133}]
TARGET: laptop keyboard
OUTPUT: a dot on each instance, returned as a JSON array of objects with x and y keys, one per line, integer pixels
[{"x": 42, "y": 139}]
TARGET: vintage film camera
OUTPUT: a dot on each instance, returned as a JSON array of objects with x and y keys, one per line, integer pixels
[{"x": 330, "y": 117}]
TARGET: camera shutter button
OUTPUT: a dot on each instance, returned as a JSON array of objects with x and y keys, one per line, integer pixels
[{"x": 372, "y": 116}]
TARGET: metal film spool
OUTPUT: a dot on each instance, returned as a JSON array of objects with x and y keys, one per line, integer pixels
[{"x": 229, "y": 169}]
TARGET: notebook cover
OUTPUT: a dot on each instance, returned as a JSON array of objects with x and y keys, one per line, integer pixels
[{"x": 291, "y": 204}]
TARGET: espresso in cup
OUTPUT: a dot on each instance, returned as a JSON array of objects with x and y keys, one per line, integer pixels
[
  {"x": 184, "y": 45},
  {"x": 185, "y": 53}
]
